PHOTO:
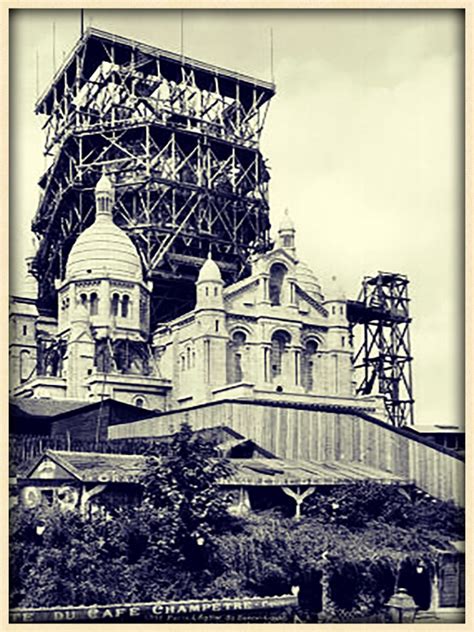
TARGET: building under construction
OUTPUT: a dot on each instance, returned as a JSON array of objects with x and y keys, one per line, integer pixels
[
  {"x": 180, "y": 139},
  {"x": 160, "y": 298}
]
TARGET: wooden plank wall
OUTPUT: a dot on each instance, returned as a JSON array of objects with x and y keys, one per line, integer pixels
[{"x": 320, "y": 436}]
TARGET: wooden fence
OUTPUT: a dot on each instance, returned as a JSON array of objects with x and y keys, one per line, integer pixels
[
  {"x": 25, "y": 449},
  {"x": 321, "y": 435}
]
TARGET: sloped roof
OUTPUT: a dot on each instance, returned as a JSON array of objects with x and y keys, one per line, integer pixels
[
  {"x": 43, "y": 407},
  {"x": 285, "y": 472},
  {"x": 230, "y": 444},
  {"x": 95, "y": 467},
  {"x": 436, "y": 428},
  {"x": 223, "y": 437}
]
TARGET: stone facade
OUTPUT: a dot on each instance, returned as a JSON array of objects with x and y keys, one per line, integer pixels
[{"x": 271, "y": 335}]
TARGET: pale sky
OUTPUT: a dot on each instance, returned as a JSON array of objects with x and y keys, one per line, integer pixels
[{"x": 364, "y": 139}]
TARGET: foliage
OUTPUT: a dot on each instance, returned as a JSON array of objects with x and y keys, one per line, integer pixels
[
  {"x": 161, "y": 549},
  {"x": 60, "y": 559},
  {"x": 359, "y": 566},
  {"x": 181, "y": 543},
  {"x": 181, "y": 479},
  {"x": 358, "y": 504}
]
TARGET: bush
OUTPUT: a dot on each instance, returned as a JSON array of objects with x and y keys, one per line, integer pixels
[
  {"x": 358, "y": 504},
  {"x": 180, "y": 543}
]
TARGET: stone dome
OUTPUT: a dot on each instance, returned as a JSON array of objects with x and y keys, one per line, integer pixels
[
  {"x": 286, "y": 223},
  {"x": 308, "y": 281},
  {"x": 336, "y": 291},
  {"x": 209, "y": 271},
  {"x": 29, "y": 285},
  {"x": 104, "y": 249},
  {"x": 104, "y": 185}
]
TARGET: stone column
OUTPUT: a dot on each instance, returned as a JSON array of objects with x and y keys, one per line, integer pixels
[
  {"x": 298, "y": 368},
  {"x": 266, "y": 365}
]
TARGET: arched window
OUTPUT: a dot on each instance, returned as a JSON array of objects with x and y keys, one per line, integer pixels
[
  {"x": 25, "y": 370},
  {"x": 188, "y": 357},
  {"x": 139, "y": 402},
  {"x": 280, "y": 342},
  {"x": 125, "y": 305},
  {"x": 94, "y": 304},
  {"x": 309, "y": 352},
  {"x": 277, "y": 275},
  {"x": 234, "y": 364},
  {"x": 114, "y": 304},
  {"x": 83, "y": 299}
]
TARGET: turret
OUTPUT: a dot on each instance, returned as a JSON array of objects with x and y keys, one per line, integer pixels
[
  {"x": 104, "y": 271},
  {"x": 336, "y": 303},
  {"x": 209, "y": 286},
  {"x": 286, "y": 234},
  {"x": 80, "y": 352},
  {"x": 104, "y": 196},
  {"x": 211, "y": 339},
  {"x": 338, "y": 340}
]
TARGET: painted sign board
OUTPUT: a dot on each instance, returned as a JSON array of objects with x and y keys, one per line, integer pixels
[{"x": 246, "y": 610}]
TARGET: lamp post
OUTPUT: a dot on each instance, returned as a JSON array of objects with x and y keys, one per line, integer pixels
[
  {"x": 401, "y": 607},
  {"x": 40, "y": 528}
]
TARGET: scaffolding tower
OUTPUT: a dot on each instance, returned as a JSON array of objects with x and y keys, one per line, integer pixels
[
  {"x": 384, "y": 356},
  {"x": 180, "y": 140}
]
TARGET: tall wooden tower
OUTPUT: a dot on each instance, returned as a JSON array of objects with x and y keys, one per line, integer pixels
[{"x": 179, "y": 138}]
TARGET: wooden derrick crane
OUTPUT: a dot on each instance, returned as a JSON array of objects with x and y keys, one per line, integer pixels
[{"x": 381, "y": 313}]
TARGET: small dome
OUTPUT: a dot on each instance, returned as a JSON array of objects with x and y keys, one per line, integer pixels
[
  {"x": 104, "y": 185},
  {"x": 209, "y": 271},
  {"x": 29, "y": 286},
  {"x": 104, "y": 249},
  {"x": 336, "y": 291},
  {"x": 286, "y": 223},
  {"x": 308, "y": 281}
]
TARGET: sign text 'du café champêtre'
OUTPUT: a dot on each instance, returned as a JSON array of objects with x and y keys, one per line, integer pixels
[{"x": 268, "y": 609}]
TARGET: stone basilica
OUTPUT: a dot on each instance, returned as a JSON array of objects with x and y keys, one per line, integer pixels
[{"x": 273, "y": 335}]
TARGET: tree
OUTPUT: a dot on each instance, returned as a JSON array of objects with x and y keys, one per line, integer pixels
[
  {"x": 356, "y": 505},
  {"x": 162, "y": 549},
  {"x": 59, "y": 558},
  {"x": 181, "y": 542},
  {"x": 182, "y": 479}
]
